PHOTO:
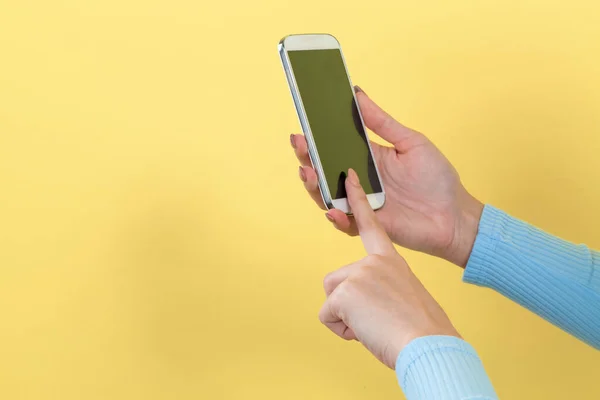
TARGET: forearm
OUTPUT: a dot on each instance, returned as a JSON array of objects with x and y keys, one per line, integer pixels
[
  {"x": 557, "y": 280},
  {"x": 442, "y": 368}
]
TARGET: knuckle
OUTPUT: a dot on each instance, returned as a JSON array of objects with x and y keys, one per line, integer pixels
[
  {"x": 356, "y": 283},
  {"x": 348, "y": 289},
  {"x": 363, "y": 272},
  {"x": 373, "y": 259},
  {"x": 334, "y": 301},
  {"x": 322, "y": 316},
  {"x": 328, "y": 282}
]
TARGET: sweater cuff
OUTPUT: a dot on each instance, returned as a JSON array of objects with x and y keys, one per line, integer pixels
[
  {"x": 442, "y": 368},
  {"x": 508, "y": 242}
]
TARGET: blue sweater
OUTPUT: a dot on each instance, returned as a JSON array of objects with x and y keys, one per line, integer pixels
[{"x": 555, "y": 279}]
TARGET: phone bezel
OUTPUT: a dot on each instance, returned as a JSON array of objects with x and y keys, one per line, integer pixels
[{"x": 322, "y": 42}]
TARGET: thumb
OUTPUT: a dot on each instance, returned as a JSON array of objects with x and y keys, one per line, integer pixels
[{"x": 383, "y": 124}]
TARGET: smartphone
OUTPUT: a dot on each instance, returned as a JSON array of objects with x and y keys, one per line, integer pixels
[{"x": 330, "y": 117}]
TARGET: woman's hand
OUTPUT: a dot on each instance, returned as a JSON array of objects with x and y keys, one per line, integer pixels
[
  {"x": 378, "y": 300},
  {"x": 426, "y": 208}
]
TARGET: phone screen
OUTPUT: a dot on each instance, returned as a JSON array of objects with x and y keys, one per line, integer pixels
[{"x": 333, "y": 117}]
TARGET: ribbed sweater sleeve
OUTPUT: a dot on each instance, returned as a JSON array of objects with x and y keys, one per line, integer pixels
[
  {"x": 442, "y": 368},
  {"x": 558, "y": 280}
]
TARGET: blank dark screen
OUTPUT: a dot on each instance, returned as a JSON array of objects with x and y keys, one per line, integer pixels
[{"x": 333, "y": 117}]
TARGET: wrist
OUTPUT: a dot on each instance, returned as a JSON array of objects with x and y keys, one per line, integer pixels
[
  {"x": 467, "y": 225},
  {"x": 395, "y": 349}
]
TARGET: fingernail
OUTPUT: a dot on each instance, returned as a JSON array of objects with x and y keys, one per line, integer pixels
[
  {"x": 302, "y": 174},
  {"x": 358, "y": 89},
  {"x": 330, "y": 218},
  {"x": 292, "y": 141},
  {"x": 353, "y": 178}
]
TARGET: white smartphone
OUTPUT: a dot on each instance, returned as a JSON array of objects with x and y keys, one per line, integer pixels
[{"x": 330, "y": 117}]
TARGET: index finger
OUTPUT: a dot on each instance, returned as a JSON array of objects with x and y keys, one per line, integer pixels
[{"x": 372, "y": 234}]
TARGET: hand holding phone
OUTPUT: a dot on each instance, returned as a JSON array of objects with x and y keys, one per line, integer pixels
[{"x": 427, "y": 208}]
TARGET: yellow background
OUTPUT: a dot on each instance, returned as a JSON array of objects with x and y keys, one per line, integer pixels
[{"x": 156, "y": 243}]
